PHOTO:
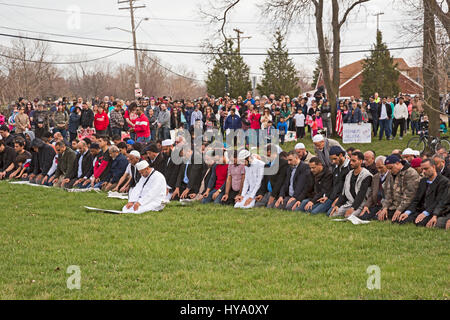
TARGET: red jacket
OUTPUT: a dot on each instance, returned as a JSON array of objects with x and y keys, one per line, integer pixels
[
  {"x": 142, "y": 127},
  {"x": 254, "y": 120},
  {"x": 101, "y": 121}
]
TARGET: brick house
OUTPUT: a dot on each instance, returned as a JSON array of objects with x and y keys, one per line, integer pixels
[{"x": 409, "y": 80}]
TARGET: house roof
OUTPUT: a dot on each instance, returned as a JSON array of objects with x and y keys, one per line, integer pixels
[{"x": 351, "y": 70}]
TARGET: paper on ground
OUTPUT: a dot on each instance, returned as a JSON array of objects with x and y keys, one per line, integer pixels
[
  {"x": 117, "y": 195},
  {"x": 103, "y": 210},
  {"x": 83, "y": 190},
  {"x": 353, "y": 219},
  {"x": 29, "y": 184}
]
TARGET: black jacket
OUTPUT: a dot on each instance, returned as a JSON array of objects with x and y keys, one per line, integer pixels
[
  {"x": 42, "y": 161},
  {"x": 159, "y": 164},
  {"x": 7, "y": 157},
  {"x": 429, "y": 196},
  {"x": 9, "y": 141},
  {"x": 388, "y": 110},
  {"x": 194, "y": 174},
  {"x": 276, "y": 180},
  {"x": 87, "y": 118},
  {"x": 135, "y": 176},
  {"x": 323, "y": 184},
  {"x": 443, "y": 208},
  {"x": 66, "y": 164},
  {"x": 374, "y": 107},
  {"x": 171, "y": 171},
  {"x": 446, "y": 171},
  {"x": 302, "y": 184},
  {"x": 339, "y": 174},
  {"x": 87, "y": 166}
]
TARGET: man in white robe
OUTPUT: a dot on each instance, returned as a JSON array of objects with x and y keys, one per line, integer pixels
[
  {"x": 149, "y": 193},
  {"x": 254, "y": 173}
]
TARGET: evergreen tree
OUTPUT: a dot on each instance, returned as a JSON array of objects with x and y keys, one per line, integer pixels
[
  {"x": 279, "y": 72},
  {"x": 379, "y": 72},
  {"x": 238, "y": 74}
]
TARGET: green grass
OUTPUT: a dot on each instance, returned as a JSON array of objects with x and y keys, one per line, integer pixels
[{"x": 207, "y": 252}]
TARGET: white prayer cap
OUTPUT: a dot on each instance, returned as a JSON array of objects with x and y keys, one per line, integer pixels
[
  {"x": 243, "y": 154},
  {"x": 135, "y": 153},
  {"x": 166, "y": 143},
  {"x": 408, "y": 152},
  {"x": 416, "y": 153},
  {"x": 318, "y": 138},
  {"x": 142, "y": 165},
  {"x": 300, "y": 146}
]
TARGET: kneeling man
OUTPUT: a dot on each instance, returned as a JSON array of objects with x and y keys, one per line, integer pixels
[{"x": 149, "y": 193}]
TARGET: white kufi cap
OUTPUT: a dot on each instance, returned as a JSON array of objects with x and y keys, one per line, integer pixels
[{"x": 142, "y": 165}]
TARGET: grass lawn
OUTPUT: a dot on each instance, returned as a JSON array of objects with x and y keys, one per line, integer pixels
[{"x": 207, "y": 252}]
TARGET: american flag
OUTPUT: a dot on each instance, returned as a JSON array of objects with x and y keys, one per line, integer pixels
[{"x": 339, "y": 123}]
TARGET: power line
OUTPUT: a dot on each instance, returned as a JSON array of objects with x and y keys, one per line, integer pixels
[
  {"x": 101, "y": 51},
  {"x": 61, "y": 62},
  {"x": 196, "y": 52},
  {"x": 168, "y": 19},
  {"x": 162, "y": 44},
  {"x": 168, "y": 69}
]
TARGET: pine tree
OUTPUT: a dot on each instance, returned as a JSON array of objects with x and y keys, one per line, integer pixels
[
  {"x": 279, "y": 72},
  {"x": 379, "y": 72},
  {"x": 238, "y": 74}
]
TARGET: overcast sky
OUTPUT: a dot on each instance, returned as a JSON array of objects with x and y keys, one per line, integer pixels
[{"x": 177, "y": 25}]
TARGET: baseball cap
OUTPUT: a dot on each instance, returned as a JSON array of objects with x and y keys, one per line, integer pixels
[{"x": 392, "y": 159}]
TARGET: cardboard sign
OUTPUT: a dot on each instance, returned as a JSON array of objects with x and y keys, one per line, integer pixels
[{"x": 357, "y": 133}]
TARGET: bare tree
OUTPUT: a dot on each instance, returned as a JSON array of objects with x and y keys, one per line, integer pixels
[
  {"x": 430, "y": 78},
  {"x": 438, "y": 10},
  {"x": 26, "y": 69},
  {"x": 290, "y": 11}
]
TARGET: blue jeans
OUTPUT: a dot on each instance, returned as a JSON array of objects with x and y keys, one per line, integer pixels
[
  {"x": 99, "y": 184},
  {"x": 164, "y": 133},
  {"x": 415, "y": 127},
  {"x": 317, "y": 208},
  {"x": 390, "y": 126},
  {"x": 374, "y": 125},
  {"x": 209, "y": 198},
  {"x": 384, "y": 127},
  {"x": 219, "y": 198}
]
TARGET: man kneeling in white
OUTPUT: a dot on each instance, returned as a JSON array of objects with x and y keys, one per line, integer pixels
[
  {"x": 149, "y": 193},
  {"x": 254, "y": 173}
]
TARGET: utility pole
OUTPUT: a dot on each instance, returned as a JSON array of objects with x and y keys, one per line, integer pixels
[
  {"x": 132, "y": 8},
  {"x": 378, "y": 19},
  {"x": 238, "y": 38}
]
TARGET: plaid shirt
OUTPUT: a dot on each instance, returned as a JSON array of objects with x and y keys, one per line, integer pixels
[{"x": 116, "y": 119}]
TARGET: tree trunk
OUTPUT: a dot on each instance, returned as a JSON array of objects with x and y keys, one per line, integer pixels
[
  {"x": 336, "y": 61},
  {"x": 331, "y": 92},
  {"x": 430, "y": 67}
]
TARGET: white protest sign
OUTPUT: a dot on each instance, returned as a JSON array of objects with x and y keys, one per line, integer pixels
[{"x": 357, "y": 133}]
